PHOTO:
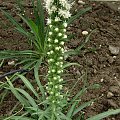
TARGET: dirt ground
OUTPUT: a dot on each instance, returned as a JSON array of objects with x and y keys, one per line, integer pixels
[{"x": 100, "y": 57}]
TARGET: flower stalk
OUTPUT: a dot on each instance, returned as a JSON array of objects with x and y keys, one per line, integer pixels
[{"x": 59, "y": 12}]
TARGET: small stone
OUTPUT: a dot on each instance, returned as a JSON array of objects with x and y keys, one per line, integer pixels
[
  {"x": 112, "y": 103},
  {"x": 115, "y": 89},
  {"x": 81, "y": 2},
  {"x": 89, "y": 62},
  {"x": 85, "y": 32},
  {"x": 11, "y": 63},
  {"x": 102, "y": 80},
  {"x": 114, "y": 50},
  {"x": 110, "y": 94},
  {"x": 110, "y": 59}
]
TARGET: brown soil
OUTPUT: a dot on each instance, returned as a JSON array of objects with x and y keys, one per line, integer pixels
[{"x": 101, "y": 64}]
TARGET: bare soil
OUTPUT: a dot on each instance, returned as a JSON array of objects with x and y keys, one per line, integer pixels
[{"x": 102, "y": 64}]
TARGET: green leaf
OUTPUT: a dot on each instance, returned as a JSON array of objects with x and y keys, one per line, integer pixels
[
  {"x": 14, "y": 22},
  {"x": 64, "y": 117},
  {"x": 84, "y": 105},
  {"x": 28, "y": 85},
  {"x": 70, "y": 112},
  {"x": 41, "y": 25},
  {"x": 104, "y": 114},
  {"x": 79, "y": 94},
  {"x": 22, "y": 100},
  {"x": 79, "y": 13},
  {"x": 20, "y": 118},
  {"x": 30, "y": 99},
  {"x": 36, "y": 69},
  {"x": 70, "y": 64}
]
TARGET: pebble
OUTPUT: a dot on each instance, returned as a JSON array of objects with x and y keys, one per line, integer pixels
[
  {"x": 110, "y": 94},
  {"x": 85, "y": 32},
  {"x": 115, "y": 89},
  {"x": 11, "y": 63},
  {"x": 112, "y": 103},
  {"x": 81, "y": 2},
  {"x": 110, "y": 59},
  {"x": 114, "y": 50}
]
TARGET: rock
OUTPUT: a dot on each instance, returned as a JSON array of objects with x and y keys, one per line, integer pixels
[
  {"x": 110, "y": 94},
  {"x": 89, "y": 62},
  {"x": 112, "y": 103},
  {"x": 85, "y": 32},
  {"x": 11, "y": 63},
  {"x": 81, "y": 2},
  {"x": 114, "y": 50},
  {"x": 110, "y": 59},
  {"x": 9, "y": 6},
  {"x": 115, "y": 89}
]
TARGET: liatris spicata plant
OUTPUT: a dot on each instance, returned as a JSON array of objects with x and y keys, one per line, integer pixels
[{"x": 59, "y": 12}]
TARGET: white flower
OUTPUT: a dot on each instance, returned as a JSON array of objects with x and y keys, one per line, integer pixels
[
  {"x": 57, "y": 19},
  {"x": 57, "y": 48},
  {"x": 47, "y": 87},
  {"x": 50, "y": 26},
  {"x": 61, "y": 58},
  {"x": 48, "y": 53},
  {"x": 56, "y": 41},
  {"x": 64, "y": 13},
  {"x": 49, "y": 39},
  {"x": 84, "y": 32},
  {"x": 61, "y": 96},
  {"x": 51, "y": 93},
  {"x": 65, "y": 24},
  {"x": 57, "y": 63},
  {"x": 49, "y": 45},
  {"x": 65, "y": 4},
  {"x": 48, "y": 21},
  {"x": 62, "y": 43},
  {"x": 59, "y": 34},
  {"x": 53, "y": 8},
  {"x": 50, "y": 33},
  {"x": 51, "y": 52},
  {"x": 59, "y": 71},
  {"x": 56, "y": 86},
  {"x": 62, "y": 50},
  {"x": 64, "y": 30},
  {"x": 55, "y": 78},
  {"x": 50, "y": 60},
  {"x": 65, "y": 36},
  {"x": 53, "y": 70},
  {"x": 57, "y": 94},
  {"x": 60, "y": 80},
  {"x": 56, "y": 29},
  {"x": 60, "y": 86}
]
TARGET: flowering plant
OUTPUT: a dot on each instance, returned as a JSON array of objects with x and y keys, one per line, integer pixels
[{"x": 53, "y": 105}]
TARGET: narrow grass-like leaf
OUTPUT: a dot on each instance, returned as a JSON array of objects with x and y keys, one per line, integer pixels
[
  {"x": 41, "y": 24},
  {"x": 21, "y": 118},
  {"x": 14, "y": 22},
  {"x": 80, "y": 93},
  {"x": 28, "y": 85},
  {"x": 30, "y": 99},
  {"x": 22, "y": 100},
  {"x": 1, "y": 63},
  {"x": 36, "y": 69},
  {"x": 79, "y": 13},
  {"x": 84, "y": 105},
  {"x": 64, "y": 117},
  {"x": 104, "y": 114},
  {"x": 70, "y": 64},
  {"x": 71, "y": 110}
]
